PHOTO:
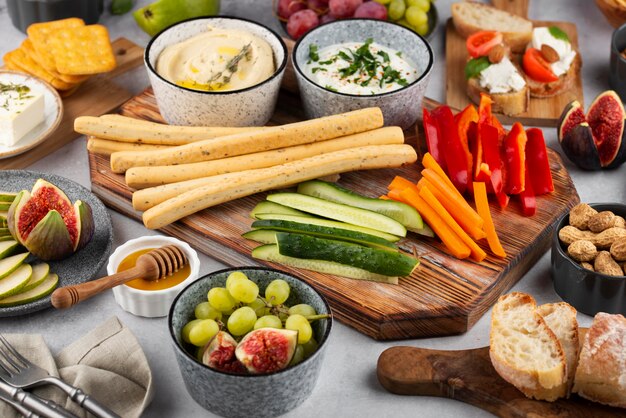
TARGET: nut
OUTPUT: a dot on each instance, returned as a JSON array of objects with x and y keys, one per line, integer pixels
[
  {"x": 601, "y": 221},
  {"x": 582, "y": 250},
  {"x": 605, "y": 264},
  {"x": 587, "y": 266},
  {"x": 496, "y": 54},
  {"x": 606, "y": 238},
  {"x": 579, "y": 215},
  {"x": 618, "y": 249},
  {"x": 549, "y": 53},
  {"x": 619, "y": 222}
]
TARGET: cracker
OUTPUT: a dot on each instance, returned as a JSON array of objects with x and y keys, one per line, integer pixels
[
  {"x": 27, "y": 47},
  {"x": 18, "y": 58},
  {"x": 39, "y": 34},
  {"x": 82, "y": 50}
]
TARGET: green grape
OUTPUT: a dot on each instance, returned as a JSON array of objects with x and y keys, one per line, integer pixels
[
  {"x": 241, "y": 321},
  {"x": 422, "y": 4},
  {"x": 188, "y": 326},
  {"x": 298, "y": 356},
  {"x": 309, "y": 347},
  {"x": 221, "y": 300},
  {"x": 203, "y": 331},
  {"x": 277, "y": 292},
  {"x": 396, "y": 9},
  {"x": 422, "y": 29},
  {"x": 302, "y": 309},
  {"x": 268, "y": 321},
  {"x": 416, "y": 16},
  {"x": 204, "y": 310},
  {"x": 259, "y": 307},
  {"x": 299, "y": 323},
  {"x": 244, "y": 291},
  {"x": 235, "y": 275},
  {"x": 404, "y": 23}
]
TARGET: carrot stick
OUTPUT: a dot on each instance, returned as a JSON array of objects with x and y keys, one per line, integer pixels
[
  {"x": 458, "y": 207},
  {"x": 482, "y": 204},
  {"x": 394, "y": 194},
  {"x": 477, "y": 253},
  {"x": 451, "y": 240},
  {"x": 400, "y": 182},
  {"x": 429, "y": 162}
]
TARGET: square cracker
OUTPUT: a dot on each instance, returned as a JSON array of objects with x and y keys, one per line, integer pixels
[
  {"x": 18, "y": 59},
  {"x": 27, "y": 47},
  {"x": 82, "y": 50},
  {"x": 39, "y": 33}
]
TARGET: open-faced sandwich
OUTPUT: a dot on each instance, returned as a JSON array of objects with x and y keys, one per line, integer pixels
[{"x": 491, "y": 70}]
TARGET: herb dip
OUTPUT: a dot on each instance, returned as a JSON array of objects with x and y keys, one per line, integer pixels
[{"x": 360, "y": 68}]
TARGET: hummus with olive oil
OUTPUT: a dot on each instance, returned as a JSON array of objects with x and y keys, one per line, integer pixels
[{"x": 217, "y": 60}]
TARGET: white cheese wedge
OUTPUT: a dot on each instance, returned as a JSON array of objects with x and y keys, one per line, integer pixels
[
  {"x": 502, "y": 77},
  {"x": 542, "y": 36},
  {"x": 20, "y": 111}
]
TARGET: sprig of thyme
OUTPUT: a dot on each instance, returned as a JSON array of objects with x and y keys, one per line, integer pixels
[{"x": 231, "y": 68}]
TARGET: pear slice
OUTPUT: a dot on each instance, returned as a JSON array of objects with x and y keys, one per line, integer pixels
[
  {"x": 7, "y": 248},
  {"x": 6, "y": 238},
  {"x": 45, "y": 288},
  {"x": 40, "y": 272},
  {"x": 4, "y": 214},
  {"x": 4, "y": 231},
  {"x": 7, "y": 196},
  {"x": 10, "y": 264},
  {"x": 15, "y": 281},
  {"x": 4, "y": 206}
]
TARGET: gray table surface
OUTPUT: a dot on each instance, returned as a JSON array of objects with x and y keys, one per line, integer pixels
[{"x": 347, "y": 385}]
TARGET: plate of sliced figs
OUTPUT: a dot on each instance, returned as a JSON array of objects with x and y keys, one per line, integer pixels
[{"x": 53, "y": 232}]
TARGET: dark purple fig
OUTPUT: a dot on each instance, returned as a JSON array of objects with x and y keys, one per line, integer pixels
[
  {"x": 606, "y": 119},
  {"x": 580, "y": 148},
  {"x": 572, "y": 115}
]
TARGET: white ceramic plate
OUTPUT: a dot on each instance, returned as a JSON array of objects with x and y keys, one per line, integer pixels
[{"x": 53, "y": 112}]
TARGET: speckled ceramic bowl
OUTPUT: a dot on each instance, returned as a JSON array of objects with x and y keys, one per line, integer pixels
[
  {"x": 252, "y": 106},
  {"x": 250, "y": 395},
  {"x": 587, "y": 291},
  {"x": 400, "y": 107}
]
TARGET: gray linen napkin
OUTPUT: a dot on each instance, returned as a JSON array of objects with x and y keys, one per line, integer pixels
[{"x": 108, "y": 364}]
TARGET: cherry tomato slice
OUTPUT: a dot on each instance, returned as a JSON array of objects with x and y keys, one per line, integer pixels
[
  {"x": 537, "y": 67},
  {"x": 480, "y": 43}
]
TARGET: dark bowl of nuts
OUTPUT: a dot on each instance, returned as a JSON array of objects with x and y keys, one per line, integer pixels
[{"x": 589, "y": 258}]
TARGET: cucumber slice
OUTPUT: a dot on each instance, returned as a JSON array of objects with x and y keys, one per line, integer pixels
[
  {"x": 401, "y": 212},
  {"x": 373, "y": 260},
  {"x": 270, "y": 253},
  {"x": 10, "y": 264},
  {"x": 325, "y": 232},
  {"x": 264, "y": 236},
  {"x": 425, "y": 231},
  {"x": 7, "y": 248},
  {"x": 15, "y": 281},
  {"x": 45, "y": 288},
  {"x": 329, "y": 223},
  {"x": 339, "y": 212},
  {"x": 40, "y": 272},
  {"x": 271, "y": 207}
]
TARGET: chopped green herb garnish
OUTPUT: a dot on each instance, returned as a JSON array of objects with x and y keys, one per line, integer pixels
[
  {"x": 21, "y": 90},
  {"x": 384, "y": 55},
  {"x": 313, "y": 55},
  {"x": 316, "y": 69},
  {"x": 399, "y": 53},
  {"x": 331, "y": 88}
]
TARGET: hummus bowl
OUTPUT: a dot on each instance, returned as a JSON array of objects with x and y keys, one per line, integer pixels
[{"x": 249, "y": 100}]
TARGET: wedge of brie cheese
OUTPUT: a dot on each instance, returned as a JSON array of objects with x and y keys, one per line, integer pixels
[{"x": 21, "y": 109}]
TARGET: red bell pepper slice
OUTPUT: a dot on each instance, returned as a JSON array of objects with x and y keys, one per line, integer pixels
[
  {"x": 501, "y": 131},
  {"x": 537, "y": 158},
  {"x": 463, "y": 121},
  {"x": 455, "y": 155},
  {"x": 484, "y": 109},
  {"x": 491, "y": 156},
  {"x": 434, "y": 140},
  {"x": 515, "y": 158},
  {"x": 527, "y": 197}
]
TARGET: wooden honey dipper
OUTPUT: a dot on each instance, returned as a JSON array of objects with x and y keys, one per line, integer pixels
[{"x": 154, "y": 265}]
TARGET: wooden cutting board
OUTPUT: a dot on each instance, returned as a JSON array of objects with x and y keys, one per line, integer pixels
[
  {"x": 99, "y": 95},
  {"x": 541, "y": 112},
  {"x": 443, "y": 296},
  {"x": 468, "y": 376}
]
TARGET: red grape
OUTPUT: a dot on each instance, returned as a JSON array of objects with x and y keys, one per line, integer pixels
[
  {"x": 288, "y": 7},
  {"x": 372, "y": 10},
  {"x": 301, "y": 22},
  {"x": 327, "y": 18},
  {"x": 319, "y": 6},
  {"x": 343, "y": 8}
]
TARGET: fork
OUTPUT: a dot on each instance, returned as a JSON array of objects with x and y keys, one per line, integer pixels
[{"x": 18, "y": 371}]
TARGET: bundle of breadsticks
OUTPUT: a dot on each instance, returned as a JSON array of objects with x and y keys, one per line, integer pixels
[{"x": 179, "y": 170}]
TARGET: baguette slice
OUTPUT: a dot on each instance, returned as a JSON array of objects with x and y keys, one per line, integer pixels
[
  {"x": 524, "y": 350},
  {"x": 565, "y": 82},
  {"x": 561, "y": 318},
  {"x": 601, "y": 373},
  {"x": 510, "y": 104},
  {"x": 470, "y": 17}
]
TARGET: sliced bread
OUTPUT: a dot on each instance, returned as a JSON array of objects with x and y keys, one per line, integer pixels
[
  {"x": 524, "y": 350},
  {"x": 601, "y": 373},
  {"x": 561, "y": 318},
  {"x": 565, "y": 82},
  {"x": 470, "y": 17},
  {"x": 510, "y": 104}
]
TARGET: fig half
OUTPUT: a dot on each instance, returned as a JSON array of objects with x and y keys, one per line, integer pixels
[
  {"x": 595, "y": 140},
  {"x": 267, "y": 350},
  {"x": 220, "y": 354}
]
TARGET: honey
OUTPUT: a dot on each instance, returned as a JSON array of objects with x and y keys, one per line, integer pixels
[{"x": 170, "y": 281}]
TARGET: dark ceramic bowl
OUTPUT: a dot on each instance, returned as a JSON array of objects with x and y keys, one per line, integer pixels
[
  {"x": 250, "y": 395},
  {"x": 587, "y": 291},
  {"x": 25, "y": 12}
]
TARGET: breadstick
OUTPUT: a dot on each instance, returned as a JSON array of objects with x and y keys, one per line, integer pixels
[
  {"x": 232, "y": 186},
  {"x": 107, "y": 147},
  {"x": 142, "y": 177},
  {"x": 298, "y": 133}
]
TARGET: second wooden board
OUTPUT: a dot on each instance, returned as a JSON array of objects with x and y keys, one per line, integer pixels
[{"x": 541, "y": 112}]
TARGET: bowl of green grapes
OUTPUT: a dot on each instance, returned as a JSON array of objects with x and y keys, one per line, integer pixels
[{"x": 249, "y": 341}]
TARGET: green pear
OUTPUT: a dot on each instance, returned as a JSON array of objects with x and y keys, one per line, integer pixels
[
  {"x": 157, "y": 16},
  {"x": 14, "y": 282},
  {"x": 7, "y": 248},
  {"x": 40, "y": 272},
  {"x": 10, "y": 264},
  {"x": 7, "y": 196},
  {"x": 45, "y": 288}
]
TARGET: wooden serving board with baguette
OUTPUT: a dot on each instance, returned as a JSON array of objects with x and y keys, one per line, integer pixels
[
  {"x": 468, "y": 376},
  {"x": 443, "y": 296}
]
